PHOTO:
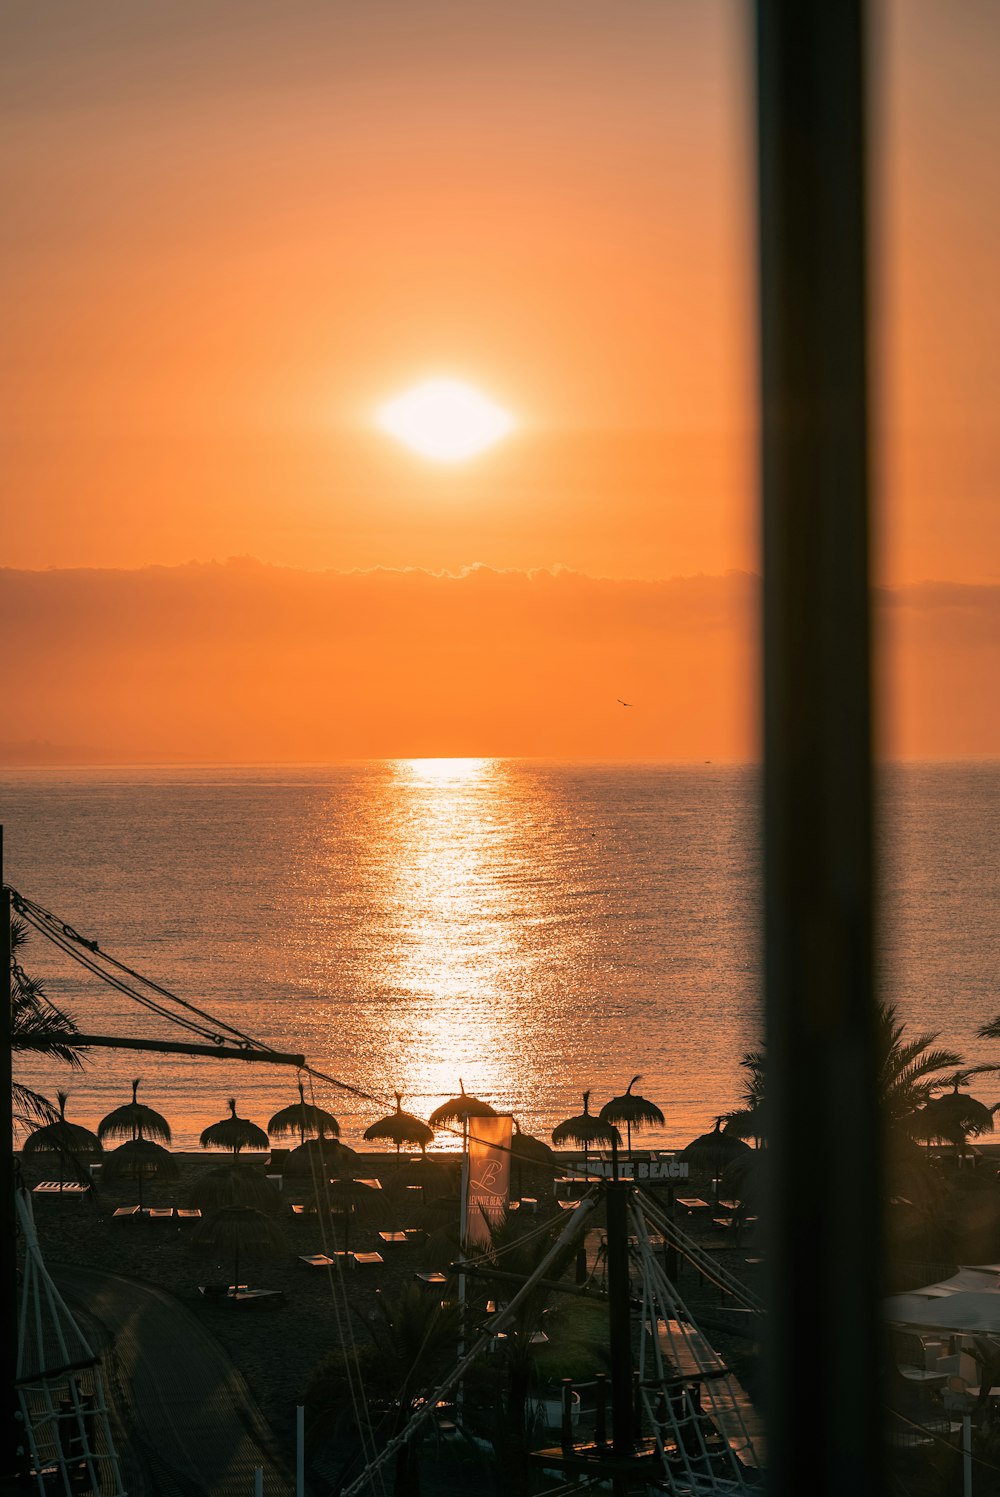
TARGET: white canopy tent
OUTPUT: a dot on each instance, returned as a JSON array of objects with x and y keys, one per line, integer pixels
[{"x": 964, "y": 1310}]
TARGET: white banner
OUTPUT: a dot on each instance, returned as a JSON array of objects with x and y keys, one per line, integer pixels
[{"x": 488, "y": 1166}]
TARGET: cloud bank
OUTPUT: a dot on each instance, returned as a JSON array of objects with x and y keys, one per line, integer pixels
[{"x": 244, "y": 662}]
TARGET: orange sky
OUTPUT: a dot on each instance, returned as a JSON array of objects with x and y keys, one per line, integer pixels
[{"x": 230, "y": 231}]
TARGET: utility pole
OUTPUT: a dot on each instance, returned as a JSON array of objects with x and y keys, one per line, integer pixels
[{"x": 616, "y": 1194}]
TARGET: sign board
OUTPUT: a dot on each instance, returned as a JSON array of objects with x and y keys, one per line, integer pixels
[
  {"x": 639, "y": 1169},
  {"x": 488, "y": 1176}
]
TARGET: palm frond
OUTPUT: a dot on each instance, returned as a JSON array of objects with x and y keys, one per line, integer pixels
[{"x": 31, "y": 1109}]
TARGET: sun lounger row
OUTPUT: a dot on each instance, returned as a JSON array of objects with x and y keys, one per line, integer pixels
[
  {"x": 156, "y": 1213},
  {"x": 329, "y": 1260}
]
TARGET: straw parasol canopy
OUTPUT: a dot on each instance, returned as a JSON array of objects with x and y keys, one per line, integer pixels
[
  {"x": 422, "y": 1172},
  {"x": 233, "y": 1185},
  {"x": 315, "y": 1158},
  {"x": 400, "y": 1128},
  {"x": 712, "y": 1151},
  {"x": 300, "y": 1117},
  {"x": 134, "y": 1121},
  {"x": 952, "y": 1117},
  {"x": 140, "y": 1159},
  {"x": 345, "y": 1193},
  {"x": 585, "y": 1129},
  {"x": 526, "y": 1149},
  {"x": 234, "y": 1133},
  {"x": 460, "y": 1109},
  {"x": 242, "y": 1231},
  {"x": 69, "y": 1140},
  {"x": 743, "y": 1178},
  {"x": 632, "y": 1110}
]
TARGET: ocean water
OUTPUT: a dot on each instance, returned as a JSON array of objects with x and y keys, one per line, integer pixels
[{"x": 536, "y": 930}]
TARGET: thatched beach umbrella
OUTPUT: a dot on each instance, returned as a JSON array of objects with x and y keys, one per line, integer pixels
[
  {"x": 631, "y": 1110},
  {"x": 422, "y": 1172},
  {"x": 234, "y": 1133},
  {"x": 242, "y": 1231},
  {"x": 345, "y": 1193},
  {"x": 134, "y": 1121},
  {"x": 743, "y": 1178},
  {"x": 233, "y": 1185},
  {"x": 952, "y": 1118},
  {"x": 400, "y": 1128},
  {"x": 69, "y": 1140},
  {"x": 526, "y": 1149},
  {"x": 318, "y": 1157},
  {"x": 300, "y": 1117},
  {"x": 460, "y": 1109},
  {"x": 585, "y": 1129},
  {"x": 140, "y": 1159},
  {"x": 712, "y": 1151}
]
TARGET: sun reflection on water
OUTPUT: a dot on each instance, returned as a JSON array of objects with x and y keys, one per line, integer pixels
[{"x": 454, "y": 959}]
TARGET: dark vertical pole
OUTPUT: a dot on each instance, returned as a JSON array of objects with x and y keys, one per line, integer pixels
[
  {"x": 8, "y": 1217},
  {"x": 619, "y": 1311},
  {"x": 824, "y": 1253}
]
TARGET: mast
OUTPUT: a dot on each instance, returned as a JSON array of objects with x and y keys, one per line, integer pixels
[{"x": 8, "y": 1214}]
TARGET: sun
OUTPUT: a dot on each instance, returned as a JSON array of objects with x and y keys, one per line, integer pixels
[{"x": 445, "y": 420}]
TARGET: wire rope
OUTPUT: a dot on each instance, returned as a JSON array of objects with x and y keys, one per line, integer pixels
[{"x": 342, "y": 1313}]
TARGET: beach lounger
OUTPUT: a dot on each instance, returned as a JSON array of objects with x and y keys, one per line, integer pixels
[
  {"x": 241, "y": 1294},
  {"x": 317, "y": 1260},
  {"x": 125, "y": 1213},
  {"x": 188, "y": 1214},
  {"x": 71, "y": 1188},
  {"x": 431, "y": 1279},
  {"x": 256, "y": 1298},
  {"x": 394, "y": 1239},
  {"x": 160, "y": 1213},
  {"x": 366, "y": 1260},
  {"x": 416, "y": 1235}
]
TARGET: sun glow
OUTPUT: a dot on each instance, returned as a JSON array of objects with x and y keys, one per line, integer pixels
[{"x": 445, "y": 420}]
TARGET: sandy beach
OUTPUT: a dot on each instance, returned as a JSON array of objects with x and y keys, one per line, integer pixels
[{"x": 278, "y": 1346}]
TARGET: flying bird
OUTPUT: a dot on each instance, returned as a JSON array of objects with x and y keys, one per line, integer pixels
[{"x": 621, "y": 703}]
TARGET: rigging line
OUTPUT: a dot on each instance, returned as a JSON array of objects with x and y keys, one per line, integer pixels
[
  {"x": 23, "y": 905},
  {"x": 115, "y": 982},
  {"x": 63, "y": 935},
  {"x": 714, "y": 1272},
  {"x": 122, "y": 987},
  {"x": 932, "y": 1434},
  {"x": 503, "y": 1318},
  {"x": 342, "y": 1314},
  {"x": 349, "y": 1342},
  {"x": 68, "y": 940}
]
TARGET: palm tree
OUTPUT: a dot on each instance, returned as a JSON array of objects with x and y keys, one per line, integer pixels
[
  {"x": 748, "y": 1121},
  {"x": 38, "y": 1027},
  {"x": 909, "y": 1070}
]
